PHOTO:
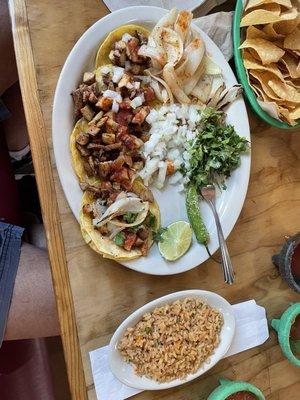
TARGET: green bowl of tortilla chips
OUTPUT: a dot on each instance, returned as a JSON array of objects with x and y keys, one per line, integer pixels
[{"x": 265, "y": 41}]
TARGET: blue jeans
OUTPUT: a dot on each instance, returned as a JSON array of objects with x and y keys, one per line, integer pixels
[{"x": 10, "y": 245}]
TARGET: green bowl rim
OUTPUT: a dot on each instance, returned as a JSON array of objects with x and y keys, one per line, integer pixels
[
  {"x": 242, "y": 75},
  {"x": 228, "y": 387},
  {"x": 283, "y": 328}
]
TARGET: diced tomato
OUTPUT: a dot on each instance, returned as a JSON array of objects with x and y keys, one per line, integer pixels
[
  {"x": 130, "y": 239},
  {"x": 125, "y": 104},
  {"x": 149, "y": 94},
  {"x": 170, "y": 167}
]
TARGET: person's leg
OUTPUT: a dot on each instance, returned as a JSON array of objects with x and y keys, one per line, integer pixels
[
  {"x": 15, "y": 127},
  {"x": 33, "y": 310},
  {"x": 9, "y": 202}
]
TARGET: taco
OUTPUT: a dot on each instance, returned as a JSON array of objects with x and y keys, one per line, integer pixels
[{"x": 121, "y": 231}]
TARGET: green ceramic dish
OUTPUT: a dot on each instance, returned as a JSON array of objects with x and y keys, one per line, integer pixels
[
  {"x": 283, "y": 328},
  {"x": 242, "y": 75},
  {"x": 228, "y": 388}
]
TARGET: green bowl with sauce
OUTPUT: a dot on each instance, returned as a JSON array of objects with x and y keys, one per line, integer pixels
[
  {"x": 236, "y": 390},
  {"x": 242, "y": 74},
  {"x": 288, "y": 330}
]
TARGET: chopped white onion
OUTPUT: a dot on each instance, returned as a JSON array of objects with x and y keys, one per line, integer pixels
[
  {"x": 117, "y": 74},
  {"x": 127, "y": 65},
  {"x": 143, "y": 78},
  {"x": 164, "y": 95},
  {"x": 105, "y": 70},
  {"x": 115, "y": 106},
  {"x": 161, "y": 176},
  {"x": 129, "y": 85},
  {"x": 155, "y": 86},
  {"x": 126, "y": 37},
  {"x": 113, "y": 95},
  {"x": 137, "y": 101},
  {"x": 177, "y": 177},
  {"x": 172, "y": 127}
]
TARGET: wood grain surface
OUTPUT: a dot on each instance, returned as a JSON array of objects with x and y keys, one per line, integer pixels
[
  {"x": 44, "y": 177},
  {"x": 105, "y": 293}
]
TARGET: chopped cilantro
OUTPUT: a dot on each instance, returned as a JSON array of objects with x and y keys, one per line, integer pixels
[
  {"x": 151, "y": 220},
  {"x": 119, "y": 239},
  {"x": 148, "y": 329},
  {"x": 215, "y": 152},
  {"x": 157, "y": 236},
  {"x": 135, "y": 228},
  {"x": 129, "y": 217}
]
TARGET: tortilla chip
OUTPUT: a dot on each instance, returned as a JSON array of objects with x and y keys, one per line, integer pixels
[
  {"x": 251, "y": 63},
  {"x": 294, "y": 82},
  {"x": 289, "y": 20},
  {"x": 253, "y": 33},
  {"x": 271, "y": 108},
  {"x": 258, "y": 17},
  {"x": 295, "y": 114},
  {"x": 286, "y": 115},
  {"x": 284, "y": 91},
  {"x": 253, "y": 54},
  {"x": 270, "y": 32},
  {"x": 262, "y": 3},
  {"x": 261, "y": 94},
  {"x": 266, "y": 50},
  {"x": 292, "y": 41},
  {"x": 284, "y": 72},
  {"x": 262, "y": 79},
  {"x": 258, "y": 90},
  {"x": 291, "y": 65}
]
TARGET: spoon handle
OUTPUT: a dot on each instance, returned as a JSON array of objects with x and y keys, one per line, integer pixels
[{"x": 226, "y": 261}]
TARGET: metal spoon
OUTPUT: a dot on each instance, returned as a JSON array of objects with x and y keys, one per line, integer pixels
[{"x": 209, "y": 194}]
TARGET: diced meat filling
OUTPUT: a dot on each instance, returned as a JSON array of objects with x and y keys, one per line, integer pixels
[{"x": 111, "y": 145}]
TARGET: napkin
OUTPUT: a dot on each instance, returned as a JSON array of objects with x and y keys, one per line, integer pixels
[
  {"x": 251, "y": 331},
  {"x": 217, "y": 26}
]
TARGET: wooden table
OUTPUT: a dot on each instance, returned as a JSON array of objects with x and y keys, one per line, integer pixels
[{"x": 94, "y": 295}]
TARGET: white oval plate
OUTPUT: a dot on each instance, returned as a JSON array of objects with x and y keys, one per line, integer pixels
[
  {"x": 171, "y": 203},
  {"x": 125, "y": 372}
]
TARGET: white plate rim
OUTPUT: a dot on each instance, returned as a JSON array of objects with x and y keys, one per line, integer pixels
[
  {"x": 246, "y": 160},
  {"x": 227, "y": 334}
]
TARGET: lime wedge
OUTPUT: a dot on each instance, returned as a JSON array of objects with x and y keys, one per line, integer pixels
[{"x": 176, "y": 240}]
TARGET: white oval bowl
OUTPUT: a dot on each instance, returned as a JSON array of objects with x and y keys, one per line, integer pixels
[
  {"x": 172, "y": 204},
  {"x": 125, "y": 372}
]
